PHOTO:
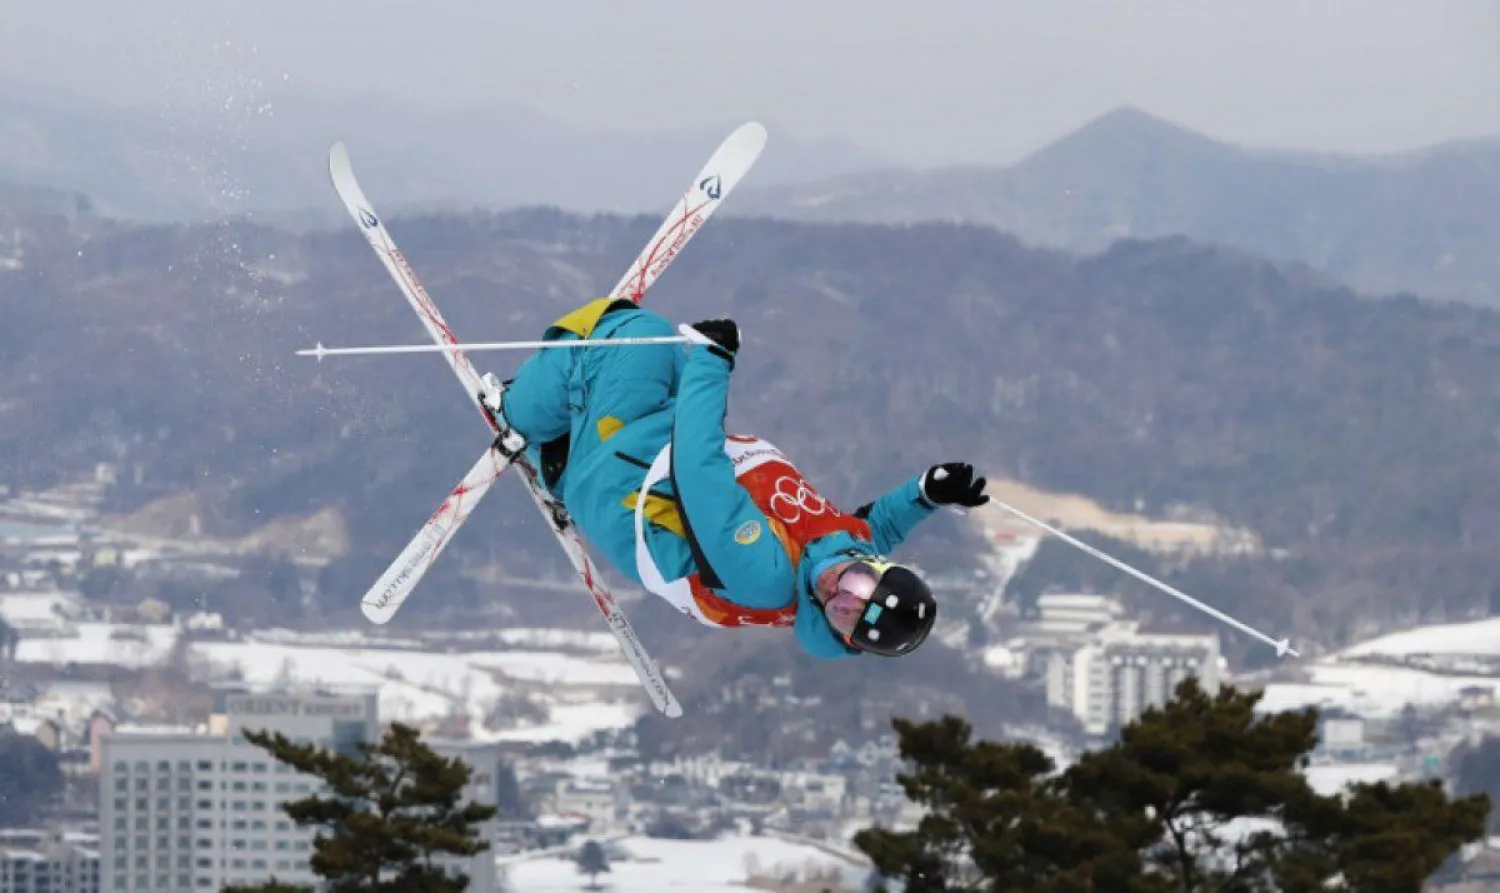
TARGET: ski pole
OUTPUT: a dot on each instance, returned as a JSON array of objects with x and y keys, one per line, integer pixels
[
  {"x": 1282, "y": 646},
  {"x": 320, "y": 351}
]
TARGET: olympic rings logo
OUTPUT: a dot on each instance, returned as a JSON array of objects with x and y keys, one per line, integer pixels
[{"x": 792, "y": 498}]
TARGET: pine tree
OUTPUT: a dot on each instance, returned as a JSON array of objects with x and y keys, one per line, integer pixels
[
  {"x": 10, "y": 640},
  {"x": 1179, "y": 774},
  {"x": 30, "y": 779},
  {"x": 996, "y": 820},
  {"x": 390, "y": 811},
  {"x": 592, "y": 861},
  {"x": 1201, "y": 794}
]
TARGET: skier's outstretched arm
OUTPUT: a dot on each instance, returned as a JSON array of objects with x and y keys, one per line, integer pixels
[
  {"x": 896, "y": 513},
  {"x": 893, "y": 516},
  {"x": 736, "y": 540}
]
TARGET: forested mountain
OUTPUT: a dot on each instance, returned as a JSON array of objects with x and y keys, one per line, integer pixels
[{"x": 1355, "y": 436}]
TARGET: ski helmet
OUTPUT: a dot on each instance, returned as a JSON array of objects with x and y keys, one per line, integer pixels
[{"x": 899, "y": 608}]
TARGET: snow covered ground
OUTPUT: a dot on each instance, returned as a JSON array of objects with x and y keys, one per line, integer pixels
[
  {"x": 583, "y": 690},
  {"x": 712, "y": 866},
  {"x": 421, "y": 684},
  {"x": 1377, "y": 690},
  {"x": 28, "y": 532},
  {"x": 1477, "y": 637},
  {"x": 111, "y": 643},
  {"x": 1369, "y": 690},
  {"x": 1335, "y": 777},
  {"x": 38, "y": 610}
]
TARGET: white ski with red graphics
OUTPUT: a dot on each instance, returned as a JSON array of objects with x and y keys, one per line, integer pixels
[{"x": 714, "y": 182}]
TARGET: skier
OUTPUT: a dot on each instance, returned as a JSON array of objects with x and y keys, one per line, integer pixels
[{"x": 631, "y": 439}]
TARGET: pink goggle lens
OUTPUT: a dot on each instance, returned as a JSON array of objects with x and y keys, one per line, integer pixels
[{"x": 851, "y": 593}]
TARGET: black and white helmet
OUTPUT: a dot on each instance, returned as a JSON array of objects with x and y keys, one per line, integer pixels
[{"x": 899, "y": 608}]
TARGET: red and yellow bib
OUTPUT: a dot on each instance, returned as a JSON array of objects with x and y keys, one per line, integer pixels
[{"x": 796, "y": 513}]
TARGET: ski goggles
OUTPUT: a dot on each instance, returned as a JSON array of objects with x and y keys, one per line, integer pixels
[{"x": 851, "y": 596}]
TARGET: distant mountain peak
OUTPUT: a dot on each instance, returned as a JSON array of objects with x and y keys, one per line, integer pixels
[
  {"x": 1129, "y": 120},
  {"x": 1125, "y": 131}
]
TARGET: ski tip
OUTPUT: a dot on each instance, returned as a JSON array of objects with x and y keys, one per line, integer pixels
[
  {"x": 750, "y": 135},
  {"x": 339, "y": 166},
  {"x": 377, "y": 616},
  {"x": 673, "y": 710}
]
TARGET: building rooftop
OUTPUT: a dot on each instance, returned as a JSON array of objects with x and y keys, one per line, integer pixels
[
  {"x": 1075, "y": 599},
  {"x": 129, "y": 729}
]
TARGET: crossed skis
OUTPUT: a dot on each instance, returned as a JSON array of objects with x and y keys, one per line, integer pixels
[{"x": 709, "y": 188}]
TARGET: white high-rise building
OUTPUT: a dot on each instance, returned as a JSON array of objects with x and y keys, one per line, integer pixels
[
  {"x": 1111, "y": 674},
  {"x": 186, "y": 809},
  {"x": 48, "y": 862}
]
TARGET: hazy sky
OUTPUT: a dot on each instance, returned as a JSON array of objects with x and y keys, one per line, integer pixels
[{"x": 931, "y": 82}]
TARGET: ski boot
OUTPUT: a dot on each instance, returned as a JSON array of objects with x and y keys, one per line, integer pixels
[{"x": 508, "y": 442}]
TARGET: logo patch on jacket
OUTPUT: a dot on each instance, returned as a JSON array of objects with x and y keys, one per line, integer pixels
[{"x": 748, "y": 533}]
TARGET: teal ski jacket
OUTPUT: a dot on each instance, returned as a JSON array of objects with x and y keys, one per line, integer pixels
[{"x": 612, "y": 409}]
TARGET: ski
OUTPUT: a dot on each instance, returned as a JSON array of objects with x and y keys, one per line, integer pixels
[
  {"x": 384, "y": 598},
  {"x": 714, "y": 182}
]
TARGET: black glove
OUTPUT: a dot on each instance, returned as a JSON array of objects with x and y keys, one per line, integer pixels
[
  {"x": 724, "y": 334},
  {"x": 953, "y": 483}
]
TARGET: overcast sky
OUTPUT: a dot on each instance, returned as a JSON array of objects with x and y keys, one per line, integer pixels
[{"x": 926, "y": 83}]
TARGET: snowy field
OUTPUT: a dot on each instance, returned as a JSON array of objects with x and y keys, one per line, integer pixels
[
  {"x": 1378, "y": 691},
  {"x": 1371, "y": 691},
  {"x": 1479, "y": 637},
  {"x": 109, "y": 643},
  {"x": 712, "y": 866},
  {"x": 1333, "y": 779},
  {"x": 36, "y": 610},
  {"x": 583, "y": 691},
  {"x": 30, "y": 532}
]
